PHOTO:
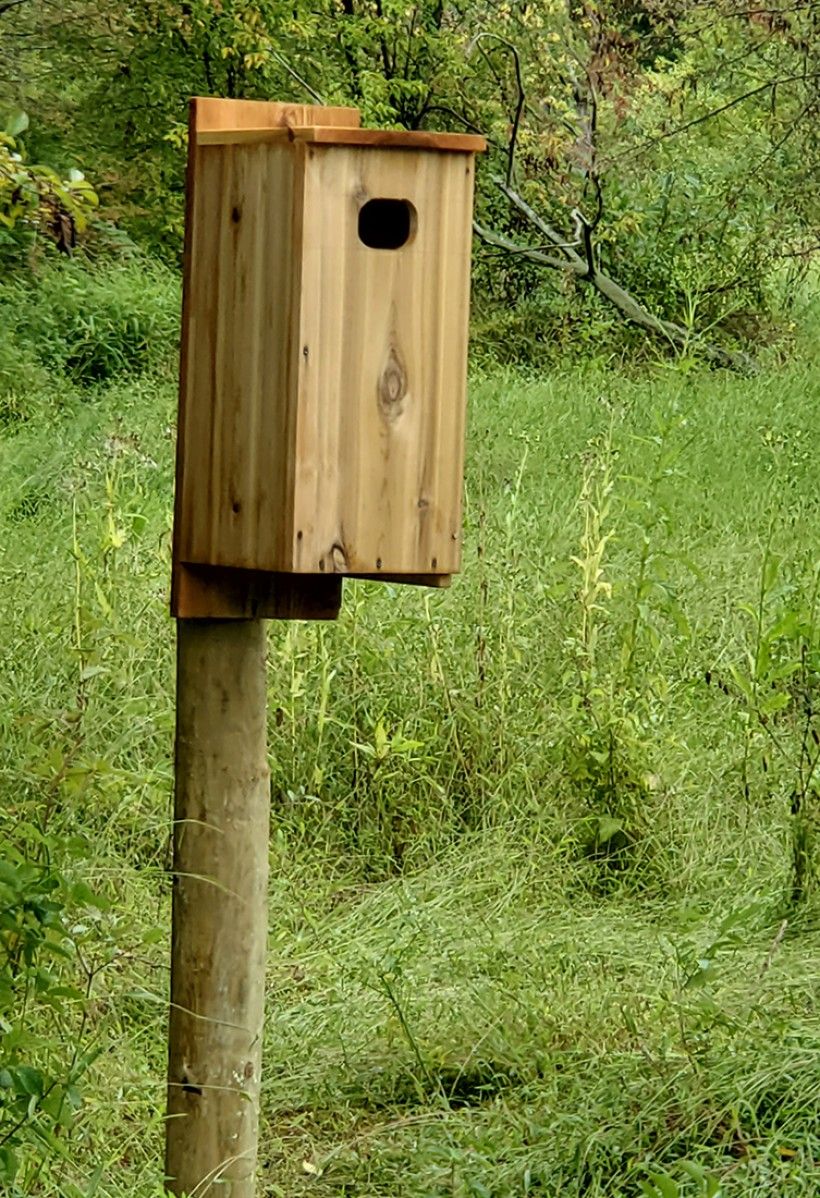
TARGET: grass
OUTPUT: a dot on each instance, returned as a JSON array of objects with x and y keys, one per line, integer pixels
[{"x": 532, "y": 839}]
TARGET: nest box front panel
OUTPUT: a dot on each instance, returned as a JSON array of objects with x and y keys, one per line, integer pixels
[{"x": 380, "y": 403}]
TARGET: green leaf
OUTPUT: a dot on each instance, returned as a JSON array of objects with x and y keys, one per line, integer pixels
[
  {"x": 102, "y": 599},
  {"x": 71, "y": 1191},
  {"x": 693, "y": 1170},
  {"x": 690, "y": 564},
  {"x": 89, "y": 672},
  {"x": 771, "y": 569},
  {"x": 478, "y": 1189},
  {"x": 94, "y": 1182},
  {"x": 773, "y": 703},
  {"x": 67, "y": 993},
  {"x": 742, "y": 682},
  {"x": 9, "y": 875},
  {"x": 608, "y": 827},
  {"x": 665, "y": 1186},
  {"x": 84, "y": 1062},
  {"x": 27, "y": 1080},
  {"x": 9, "y": 1164},
  {"x": 701, "y": 976},
  {"x": 83, "y": 895},
  {"x": 138, "y": 523},
  {"x": 788, "y": 625},
  {"x": 17, "y": 123}
]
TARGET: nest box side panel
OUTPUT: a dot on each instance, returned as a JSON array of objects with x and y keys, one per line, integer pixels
[
  {"x": 382, "y": 367},
  {"x": 236, "y": 470}
]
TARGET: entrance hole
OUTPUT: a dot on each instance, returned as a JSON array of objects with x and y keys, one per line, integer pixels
[{"x": 386, "y": 224}]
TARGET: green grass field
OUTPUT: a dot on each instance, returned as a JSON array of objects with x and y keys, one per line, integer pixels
[{"x": 542, "y": 914}]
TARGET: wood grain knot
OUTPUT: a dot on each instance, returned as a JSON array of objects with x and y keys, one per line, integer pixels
[
  {"x": 392, "y": 390},
  {"x": 338, "y": 557}
]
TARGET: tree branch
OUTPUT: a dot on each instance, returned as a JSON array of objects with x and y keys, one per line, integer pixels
[
  {"x": 647, "y": 145},
  {"x": 532, "y": 216},
  {"x": 586, "y": 271},
  {"x": 519, "y": 82},
  {"x": 529, "y": 252},
  {"x": 283, "y": 62},
  {"x": 583, "y": 232}
]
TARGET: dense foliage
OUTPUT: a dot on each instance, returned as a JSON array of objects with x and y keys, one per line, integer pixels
[
  {"x": 685, "y": 133},
  {"x": 36, "y": 199}
]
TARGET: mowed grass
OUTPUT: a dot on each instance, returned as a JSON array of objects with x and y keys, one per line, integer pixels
[{"x": 533, "y": 920}]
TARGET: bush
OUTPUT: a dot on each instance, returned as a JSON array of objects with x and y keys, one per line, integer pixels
[
  {"x": 93, "y": 323},
  {"x": 553, "y": 323},
  {"x": 22, "y": 377}
]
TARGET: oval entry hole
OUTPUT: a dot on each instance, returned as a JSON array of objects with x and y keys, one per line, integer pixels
[{"x": 386, "y": 224}]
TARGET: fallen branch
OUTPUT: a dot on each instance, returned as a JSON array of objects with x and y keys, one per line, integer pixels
[{"x": 586, "y": 270}]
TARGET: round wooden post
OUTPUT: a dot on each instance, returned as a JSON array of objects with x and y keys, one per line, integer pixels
[{"x": 219, "y": 909}]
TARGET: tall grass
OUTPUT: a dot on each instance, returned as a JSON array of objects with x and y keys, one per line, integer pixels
[{"x": 534, "y": 921}]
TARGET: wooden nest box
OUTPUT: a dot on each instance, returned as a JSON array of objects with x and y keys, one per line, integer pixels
[{"x": 324, "y": 348}]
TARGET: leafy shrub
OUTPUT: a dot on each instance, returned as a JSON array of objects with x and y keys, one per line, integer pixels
[
  {"x": 39, "y": 1094},
  {"x": 36, "y": 199},
  {"x": 555, "y": 321},
  {"x": 93, "y": 323},
  {"x": 22, "y": 377}
]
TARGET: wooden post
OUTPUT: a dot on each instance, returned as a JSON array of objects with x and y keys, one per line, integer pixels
[{"x": 220, "y": 872}]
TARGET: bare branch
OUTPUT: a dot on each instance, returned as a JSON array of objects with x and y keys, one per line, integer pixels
[
  {"x": 283, "y": 62},
  {"x": 528, "y": 252},
  {"x": 468, "y": 124},
  {"x": 583, "y": 231},
  {"x": 586, "y": 271},
  {"x": 647, "y": 145},
  {"x": 522, "y": 98},
  {"x": 552, "y": 235}
]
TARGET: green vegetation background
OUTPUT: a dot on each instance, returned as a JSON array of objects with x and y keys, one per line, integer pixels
[{"x": 544, "y": 908}]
